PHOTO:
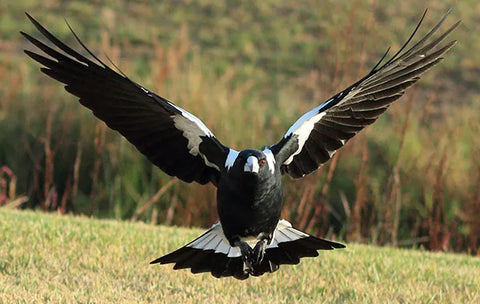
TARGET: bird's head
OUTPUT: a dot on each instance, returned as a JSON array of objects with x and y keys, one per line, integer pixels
[{"x": 255, "y": 162}]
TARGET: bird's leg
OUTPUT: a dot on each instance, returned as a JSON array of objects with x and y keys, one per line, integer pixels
[
  {"x": 253, "y": 257},
  {"x": 246, "y": 252},
  {"x": 259, "y": 249}
]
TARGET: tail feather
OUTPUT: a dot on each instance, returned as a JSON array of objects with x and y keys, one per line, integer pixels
[
  {"x": 211, "y": 252},
  {"x": 290, "y": 245},
  {"x": 178, "y": 256},
  {"x": 196, "y": 261},
  {"x": 227, "y": 267}
]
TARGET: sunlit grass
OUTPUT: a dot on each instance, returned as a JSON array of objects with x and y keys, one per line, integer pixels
[
  {"x": 249, "y": 70},
  {"x": 52, "y": 258}
]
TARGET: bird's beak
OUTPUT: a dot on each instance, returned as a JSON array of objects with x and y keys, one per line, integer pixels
[{"x": 251, "y": 165}]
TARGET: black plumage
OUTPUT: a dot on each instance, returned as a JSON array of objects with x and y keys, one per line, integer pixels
[{"x": 250, "y": 238}]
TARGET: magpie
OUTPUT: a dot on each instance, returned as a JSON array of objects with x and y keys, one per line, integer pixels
[{"x": 250, "y": 238}]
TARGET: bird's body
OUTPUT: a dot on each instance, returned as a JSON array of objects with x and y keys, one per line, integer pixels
[
  {"x": 249, "y": 203},
  {"x": 250, "y": 238}
]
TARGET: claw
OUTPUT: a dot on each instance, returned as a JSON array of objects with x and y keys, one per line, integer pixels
[
  {"x": 252, "y": 257},
  {"x": 259, "y": 252},
  {"x": 246, "y": 253}
]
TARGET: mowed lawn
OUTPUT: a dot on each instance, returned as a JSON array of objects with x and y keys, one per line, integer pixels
[{"x": 65, "y": 259}]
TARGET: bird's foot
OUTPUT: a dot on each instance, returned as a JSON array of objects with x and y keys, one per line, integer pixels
[
  {"x": 253, "y": 257},
  {"x": 246, "y": 251},
  {"x": 259, "y": 252}
]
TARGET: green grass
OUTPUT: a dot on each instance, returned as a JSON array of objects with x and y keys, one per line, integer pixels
[
  {"x": 411, "y": 176},
  {"x": 64, "y": 259}
]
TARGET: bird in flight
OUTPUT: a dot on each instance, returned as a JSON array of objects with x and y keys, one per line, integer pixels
[{"x": 250, "y": 238}]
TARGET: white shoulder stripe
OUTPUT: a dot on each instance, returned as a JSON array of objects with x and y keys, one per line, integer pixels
[
  {"x": 193, "y": 119},
  {"x": 302, "y": 129},
  {"x": 307, "y": 116},
  {"x": 192, "y": 129},
  {"x": 305, "y": 124},
  {"x": 231, "y": 157},
  {"x": 270, "y": 159}
]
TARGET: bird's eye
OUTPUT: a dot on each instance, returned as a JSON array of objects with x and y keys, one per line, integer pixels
[{"x": 261, "y": 162}]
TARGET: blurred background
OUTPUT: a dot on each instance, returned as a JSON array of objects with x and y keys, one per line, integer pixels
[{"x": 249, "y": 69}]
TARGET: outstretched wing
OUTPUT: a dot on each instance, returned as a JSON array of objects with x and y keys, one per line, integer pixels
[
  {"x": 315, "y": 137},
  {"x": 173, "y": 139}
]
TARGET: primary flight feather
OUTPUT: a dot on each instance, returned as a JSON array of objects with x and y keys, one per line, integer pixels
[{"x": 250, "y": 238}]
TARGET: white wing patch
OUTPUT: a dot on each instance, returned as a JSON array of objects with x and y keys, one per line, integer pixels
[
  {"x": 270, "y": 159},
  {"x": 194, "y": 119},
  {"x": 231, "y": 157},
  {"x": 214, "y": 239},
  {"x": 285, "y": 233},
  {"x": 304, "y": 125},
  {"x": 192, "y": 129},
  {"x": 307, "y": 116},
  {"x": 302, "y": 128}
]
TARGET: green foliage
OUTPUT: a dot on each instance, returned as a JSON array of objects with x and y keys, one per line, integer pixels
[{"x": 411, "y": 178}]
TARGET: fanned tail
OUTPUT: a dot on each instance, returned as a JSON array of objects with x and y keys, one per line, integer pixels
[
  {"x": 289, "y": 245},
  {"x": 211, "y": 252}
]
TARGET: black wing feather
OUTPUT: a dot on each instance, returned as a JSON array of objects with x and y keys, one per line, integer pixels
[
  {"x": 315, "y": 137},
  {"x": 151, "y": 123}
]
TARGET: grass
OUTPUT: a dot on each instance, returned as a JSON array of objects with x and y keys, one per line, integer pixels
[
  {"x": 411, "y": 176},
  {"x": 69, "y": 259}
]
